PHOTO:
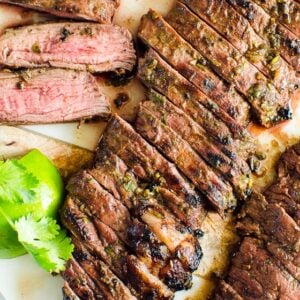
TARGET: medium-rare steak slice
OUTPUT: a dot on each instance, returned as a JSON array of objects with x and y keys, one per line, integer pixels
[
  {"x": 190, "y": 131},
  {"x": 266, "y": 102},
  {"x": 155, "y": 32},
  {"x": 80, "y": 46},
  {"x": 50, "y": 96},
  {"x": 110, "y": 285},
  {"x": 278, "y": 36},
  {"x": 149, "y": 165},
  {"x": 157, "y": 74},
  {"x": 255, "y": 275},
  {"x": 225, "y": 291},
  {"x": 179, "y": 151},
  {"x": 237, "y": 30},
  {"x": 287, "y": 12},
  {"x": 97, "y": 10},
  {"x": 84, "y": 288}
]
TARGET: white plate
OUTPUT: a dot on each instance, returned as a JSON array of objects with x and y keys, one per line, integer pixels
[{"x": 21, "y": 278}]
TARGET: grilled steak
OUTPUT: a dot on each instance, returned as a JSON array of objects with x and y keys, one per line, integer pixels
[
  {"x": 102, "y": 242},
  {"x": 109, "y": 284},
  {"x": 266, "y": 102},
  {"x": 157, "y": 74},
  {"x": 50, "y": 96},
  {"x": 190, "y": 131},
  {"x": 278, "y": 36},
  {"x": 97, "y": 10},
  {"x": 177, "y": 150},
  {"x": 150, "y": 166},
  {"x": 84, "y": 288},
  {"x": 68, "y": 293},
  {"x": 225, "y": 291},
  {"x": 286, "y": 12},
  {"x": 101, "y": 204},
  {"x": 237, "y": 30},
  {"x": 255, "y": 275},
  {"x": 155, "y": 32},
  {"x": 80, "y": 46}
]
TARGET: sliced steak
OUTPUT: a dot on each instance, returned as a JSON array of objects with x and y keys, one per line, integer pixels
[
  {"x": 155, "y": 32},
  {"x": 255, "y": 275},
  {"x": 110, "y": 285},
  {"x": 101, "y": 204},
  {"x": 139, "y": 277},
  {"x": 69, "y": 294},
  {"x": 177, "y": 150},
  {"x": 102, "y": 242},
  {"x": 157, "y": 74},
  {"x": 289, "y": 163},
  {"x": 80, "y": 46},
  {"x": 50, "y": 96},
  {"x": 190, "y": 131},
  {"x": 278, "y": 36},
  {"x": 178, "y": 239},
  {"x": 148, "y": 165},
  {"x": 285, "y": 192},
  {"x": 225, "y": 291},
  {"x": 85, "y": 288},
  {"x": 287, "y": 12},
  {"x": 237, "y": 30},
  {"x": 112, "y": 173},
  {"x": 271, "y": 222},
  {"x": 98, "y": 10},
  {"x": 266, "y": 102},
  {"x": 157, "y": 257}
]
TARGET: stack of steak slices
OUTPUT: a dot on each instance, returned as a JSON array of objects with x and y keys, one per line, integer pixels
[
  {"x": 135, "y": 215},
  {"x": 50, "y": 78},
  {"x": 267, "y": 264}
]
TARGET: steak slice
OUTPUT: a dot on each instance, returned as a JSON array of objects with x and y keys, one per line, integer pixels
[
  {"x": 271, "y": 222},
  {"x": 112, "y": 173},
  {"x": 50, "y": 96},
  {"x": 190, "y": 131},
  {"x": 80, "y": 46},
  {"x": 289, "y": 163},
  {"x": 178, "y": 239},
  {"x": 100, "y": 204},
  {"x": 98, "y": 10},
  {"x": 148, "y": 165},
  {"x": 110, "y": 285},
  {"x": 102, "y": 242},
  {"x": 255, "y": 275},
  {"x": 287, "y": 12},
  {"x": 84, "y": 288},
  {"x": 278, "y": 36},
  {"x": 156, "y": 33},
  {"x": 266, "y": 102},
  {"x": 179, "y": 151},
  {"x": 225, "y": 291},
  {"x": 157, "y": 74},
  {"x": 69, "y": 294},
  {"x": 237, "y": 30}
]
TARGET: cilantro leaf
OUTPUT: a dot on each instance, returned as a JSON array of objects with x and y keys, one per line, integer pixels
[
  {"x": 32, "y": 230},
  {"x": 45, "y": 241},
  {"x": 17, "y": 185}
]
